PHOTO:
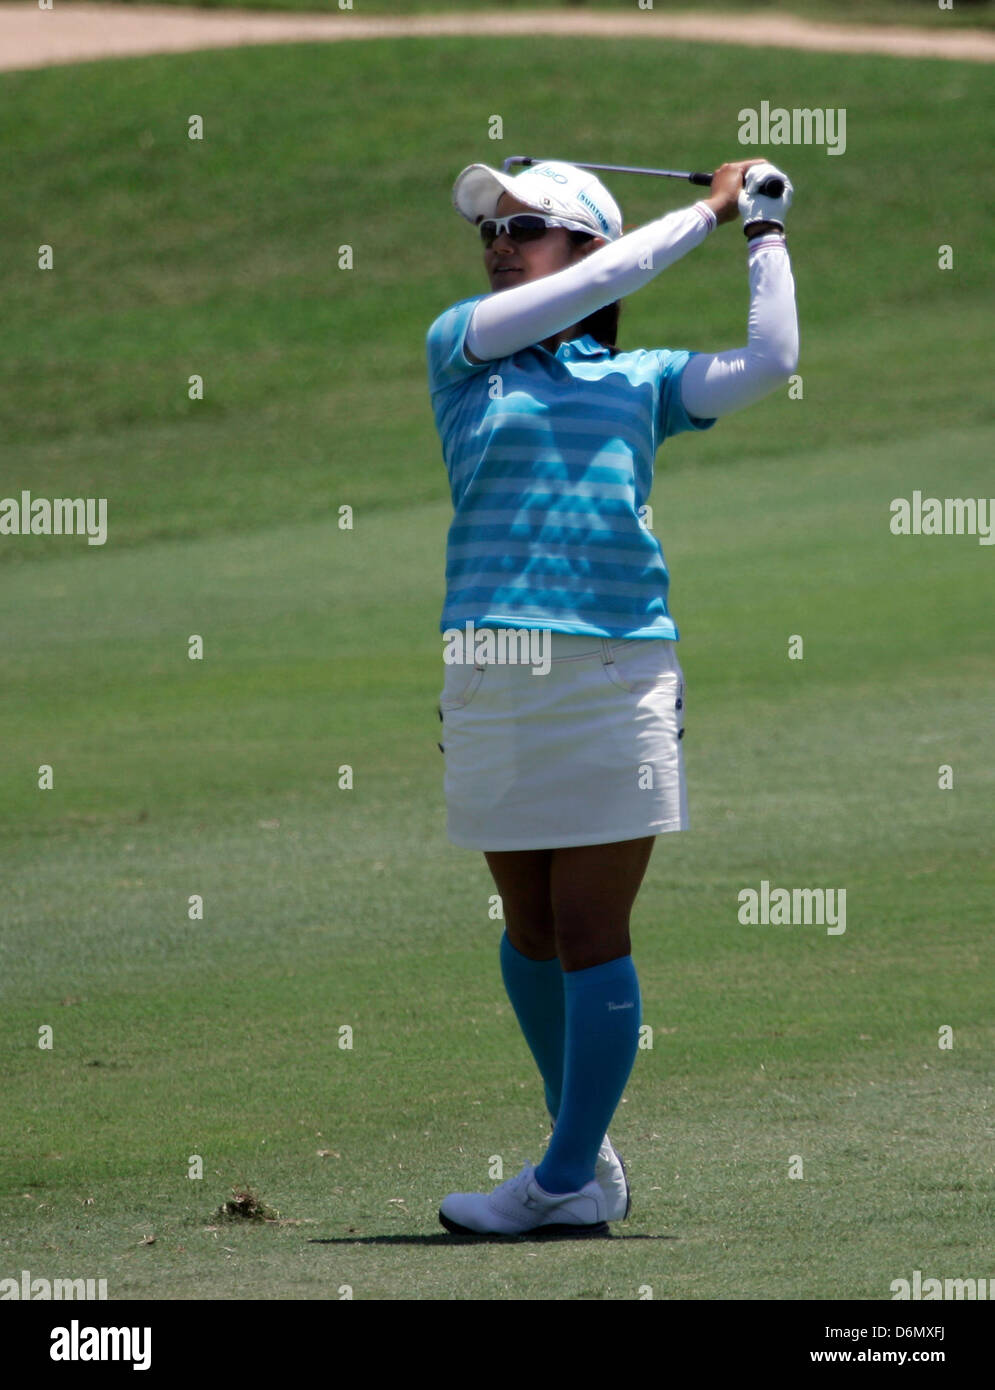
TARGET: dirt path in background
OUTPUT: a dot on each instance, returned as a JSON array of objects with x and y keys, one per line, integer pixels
[{"x": 33, "y": 38}]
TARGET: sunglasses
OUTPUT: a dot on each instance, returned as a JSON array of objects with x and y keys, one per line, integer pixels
[{"x": 520, "y": 226}]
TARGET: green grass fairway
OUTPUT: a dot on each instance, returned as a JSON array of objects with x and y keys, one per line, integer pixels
[{"x": 324, "y": 907}]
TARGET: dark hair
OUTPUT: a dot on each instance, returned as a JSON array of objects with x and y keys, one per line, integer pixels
[{"x": 603, "y": 323}]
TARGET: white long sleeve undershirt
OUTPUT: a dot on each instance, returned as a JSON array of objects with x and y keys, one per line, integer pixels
[
  {"x": 517, "y": 318},
  {"x": 713, "y": 384},
  {"x": 716, "y": 383}
]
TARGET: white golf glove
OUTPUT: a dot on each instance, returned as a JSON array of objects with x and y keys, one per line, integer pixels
[{"x": 755, "y": 206}]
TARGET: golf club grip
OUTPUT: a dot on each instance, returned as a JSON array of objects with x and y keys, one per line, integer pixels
[{"x": 770, "y": 188}]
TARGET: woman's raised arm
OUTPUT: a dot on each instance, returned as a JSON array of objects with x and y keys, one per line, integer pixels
[
  {"x": 517, "y": 318},
  {"x": 717, "y": 383}
]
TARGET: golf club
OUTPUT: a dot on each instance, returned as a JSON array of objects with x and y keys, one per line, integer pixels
[{"x": 770, "y": 188}]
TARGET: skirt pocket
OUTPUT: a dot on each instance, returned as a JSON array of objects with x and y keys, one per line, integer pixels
[
  {"x": 460, "y": 684},
  {"x": 641, "y": 664}
]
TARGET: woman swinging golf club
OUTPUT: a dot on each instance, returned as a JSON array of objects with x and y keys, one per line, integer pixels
[{"x": 563, "y": 778}]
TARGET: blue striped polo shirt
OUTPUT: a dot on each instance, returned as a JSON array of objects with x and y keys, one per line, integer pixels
[{"x": 550, "y": 458}]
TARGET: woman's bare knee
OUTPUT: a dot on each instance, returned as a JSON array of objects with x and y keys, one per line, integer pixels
[
  {"x": 537, "y": 945},
  {"x": 522, "y": 880},
  {"x": 583, "y": 942}
]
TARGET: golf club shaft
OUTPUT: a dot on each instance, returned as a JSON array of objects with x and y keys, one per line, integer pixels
[{"x": 772, "y": 187}]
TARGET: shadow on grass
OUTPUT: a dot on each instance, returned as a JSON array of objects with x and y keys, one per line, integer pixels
[{"x": 445, "y": 1238}]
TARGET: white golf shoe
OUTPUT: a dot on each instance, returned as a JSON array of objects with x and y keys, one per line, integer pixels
[
  {"x": 611, "y": 1177},
  {"x": 520, "y": 1206}
]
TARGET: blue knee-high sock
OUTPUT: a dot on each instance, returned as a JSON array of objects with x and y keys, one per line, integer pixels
[
  {"x": 535, "y": 988},
  {"x": 604, "y": 1011}
]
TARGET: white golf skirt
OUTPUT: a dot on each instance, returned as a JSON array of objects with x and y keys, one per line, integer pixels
[{"x": 589, "y": 753}]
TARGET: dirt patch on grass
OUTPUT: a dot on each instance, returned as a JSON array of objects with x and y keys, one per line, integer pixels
[{"x": 33, "y": 38}]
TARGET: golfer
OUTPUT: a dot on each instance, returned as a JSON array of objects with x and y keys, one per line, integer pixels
[{"x": 563, "y": 755}]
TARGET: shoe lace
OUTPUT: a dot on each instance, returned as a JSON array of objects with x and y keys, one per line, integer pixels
[{"x": 516, "y": 1184}]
